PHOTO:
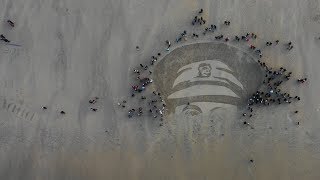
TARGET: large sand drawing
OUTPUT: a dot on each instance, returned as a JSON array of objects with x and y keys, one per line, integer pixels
[
  {"x": 204, "y": 86},
  {"x": 201, "y": 78}
]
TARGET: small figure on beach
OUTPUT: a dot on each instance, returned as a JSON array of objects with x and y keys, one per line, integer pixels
[
  {"x": 94, "y": 109},
  {"x": 168, "y": 44},
  {"x": 3, "y": 38},
  {"x": 10, "y": 23}
]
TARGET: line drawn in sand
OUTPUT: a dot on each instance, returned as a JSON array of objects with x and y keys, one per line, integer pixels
[{"x": 289, "y": 118}]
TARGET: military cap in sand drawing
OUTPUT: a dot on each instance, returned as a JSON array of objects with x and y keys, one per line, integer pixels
[{"x": 207, "y": 72}]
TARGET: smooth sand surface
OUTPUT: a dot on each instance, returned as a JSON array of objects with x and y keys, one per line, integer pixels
[{"x": 73, "y": 50}]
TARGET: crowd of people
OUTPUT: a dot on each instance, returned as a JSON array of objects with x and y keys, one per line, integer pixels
[
  {"x": 199, "y": 20},
  {"x": 151, "y": 104},
  {"x": 211, "y": 28},
  {"x": 269, "y": 94}
]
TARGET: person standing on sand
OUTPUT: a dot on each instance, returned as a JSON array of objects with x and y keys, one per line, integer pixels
[
  {"x": 3, "y": 38},
  {"x": 10, "y": 23}
]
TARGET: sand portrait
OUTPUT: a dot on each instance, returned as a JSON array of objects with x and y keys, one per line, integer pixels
[{"x": 207, "y": 81}]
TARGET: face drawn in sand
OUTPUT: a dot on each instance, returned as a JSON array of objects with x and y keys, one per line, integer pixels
[
  {"x": 204, "y": 70},
  {"x": 208, "y": 76}
]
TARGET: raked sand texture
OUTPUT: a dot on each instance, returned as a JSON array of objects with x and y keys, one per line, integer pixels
[{"x": 65, "y": 52}]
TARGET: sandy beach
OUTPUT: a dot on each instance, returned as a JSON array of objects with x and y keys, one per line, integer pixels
[{"x": 63, "y": 53}]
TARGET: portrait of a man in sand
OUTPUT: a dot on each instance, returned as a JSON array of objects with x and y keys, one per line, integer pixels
[{"x": 199, "y": 83}]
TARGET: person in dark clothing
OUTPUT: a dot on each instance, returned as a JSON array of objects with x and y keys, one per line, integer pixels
[
  {"x": 10, "y": 23},
  {"x": 2, "y": 36},
  {"x": 94, "y": 109}
]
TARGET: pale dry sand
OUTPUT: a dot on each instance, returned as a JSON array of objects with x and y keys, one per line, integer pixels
[{"x": 74, "y": 50}]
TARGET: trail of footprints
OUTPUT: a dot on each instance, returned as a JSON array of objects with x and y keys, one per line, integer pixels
[{"x": 18, "y": 110}]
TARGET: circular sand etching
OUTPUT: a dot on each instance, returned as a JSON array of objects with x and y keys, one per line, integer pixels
[{"x": 201, "y": 78}]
